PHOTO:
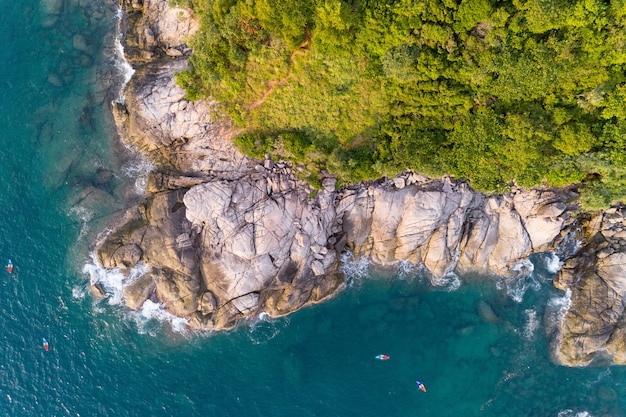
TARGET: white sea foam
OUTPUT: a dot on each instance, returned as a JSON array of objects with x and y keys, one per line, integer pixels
[
  {"x": 569, "y": 246},
  {"x": 532, "y": 324},
  {"x": 84, "y": 216},
  {"x": 524, "y": 266},
  {"x": 572, "y": 413},
  {"x": 135, "y": 273},
  {"x": 123, "y": 66},
  {"x": 140, "y": 184},
  {"x": 139, "y": 168},
  {"x": 556, "y": 309},
  {"x": 264, "y": 328},
  {"x": 61, "y": 306},
  {"x": 355, "y": 269},
  {"x": 78, "y": 292},
  {"x": 407, "y": 270},
  {"x": 553, "y": 262},
  {"x": 109, "y": 280},
  {"x": 112, "y": 281},
  {"x": 520, "y": 280},
  {"x": 151, "y": 311},
  {"x": 119, "y": 13},
  {"x": 449, "y": 282}
]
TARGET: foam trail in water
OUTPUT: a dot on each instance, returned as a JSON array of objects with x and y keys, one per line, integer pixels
[
  {"x": 123, "y": 66},
  {"x": 84, "y": 216},
  {"x": 521, "y": 280},
  {"x": 112, "y": 281},
  {"x": 355, "y": 269},
  {"x": 552, "y": 262},
  {"x": 556, "y": 309},
  {"x": 154, "y": 311},
  {"x": 602, "y": 375},
  {"x": 572, "y": 413},
  {"x": 531, "y": 323},
  {"x": 264, "y": 328}
]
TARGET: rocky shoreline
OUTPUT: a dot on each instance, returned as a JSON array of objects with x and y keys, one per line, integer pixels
[{"x": 226, "y": 237}]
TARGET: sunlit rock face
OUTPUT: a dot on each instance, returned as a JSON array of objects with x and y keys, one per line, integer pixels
[
  {"x": 593, "y": 326},
  {"x": 222, "y": 250},
  {"x": 224, "y": 237},
  {"x": 155, "y": 30}
]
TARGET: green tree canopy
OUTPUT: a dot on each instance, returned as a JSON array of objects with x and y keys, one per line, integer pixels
[{"x": 531, "y": 91}]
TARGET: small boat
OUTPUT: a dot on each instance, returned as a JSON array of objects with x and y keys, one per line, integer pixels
[
  {"x": 45, "y": 344},
  {"x": 10, "y": 267},
  {"x": 382, "y": 357},
  {"x": 421, "y": 386}
]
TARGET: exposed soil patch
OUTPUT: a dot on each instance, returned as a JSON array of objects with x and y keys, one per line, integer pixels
[{"x": 304, "y": 46}]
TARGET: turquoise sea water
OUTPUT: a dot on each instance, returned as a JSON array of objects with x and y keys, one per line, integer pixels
[{"x": 480, "y": 348}]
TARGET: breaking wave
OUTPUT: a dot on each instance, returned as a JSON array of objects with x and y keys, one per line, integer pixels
[
  {"x": 111, "y": 283},
  {"x": 532, "y": 324},
  {"x": 520, "y": 280},
  {"x": 448, "y": 282},
  {"x": 354, "y": 269},
  {"x": 265, "y": 328},
  {"x": 552, "y": 262},
  {"x": 556, "y": 309},
  {"x": 572, "y": 413},
  {"x": 154, "y": 312}
]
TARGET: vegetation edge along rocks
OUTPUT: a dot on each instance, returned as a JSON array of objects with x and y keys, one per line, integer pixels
[{"x": 524, "y": 92}]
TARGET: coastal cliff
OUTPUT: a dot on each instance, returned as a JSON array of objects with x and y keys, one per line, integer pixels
[{"x": 226, "y": 237}]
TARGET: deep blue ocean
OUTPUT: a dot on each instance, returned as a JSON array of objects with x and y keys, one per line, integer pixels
[{"x": 480, "y": 346}]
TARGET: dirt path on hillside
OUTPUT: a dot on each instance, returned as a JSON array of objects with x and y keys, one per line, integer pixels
[{"x": 304, "y": 46}]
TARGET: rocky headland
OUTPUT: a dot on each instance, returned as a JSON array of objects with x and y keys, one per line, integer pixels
[{"x": 226, "y": 237}]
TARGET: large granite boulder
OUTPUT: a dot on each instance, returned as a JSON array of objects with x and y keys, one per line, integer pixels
[
  {"x": 178, "y": 135},
  {"x": 260, "y": 236},
  {"x": 222, "y": 250},
  {"x": 593, "y": 326},
  {"x": 446, "y": 226},
  {"x": 156, "y": 29}
]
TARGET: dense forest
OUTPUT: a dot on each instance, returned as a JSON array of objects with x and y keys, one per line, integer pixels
[{"x": 526, "y": 92}]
